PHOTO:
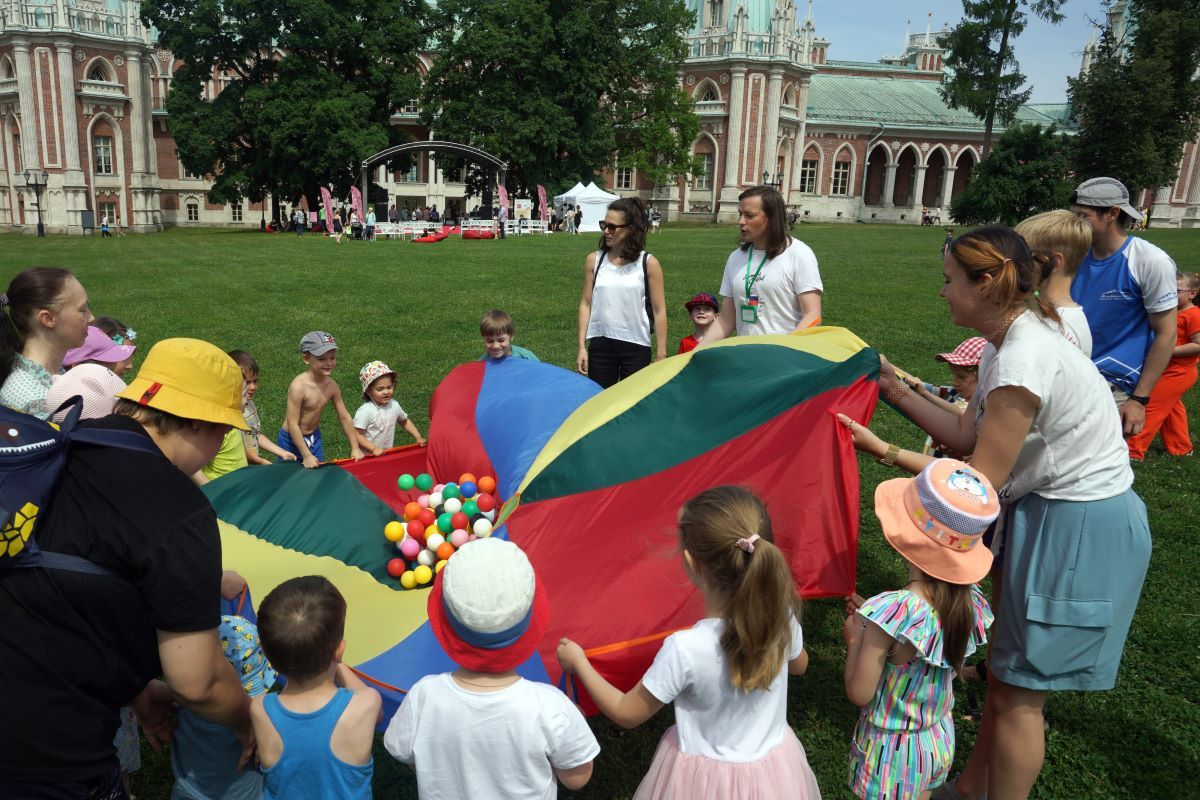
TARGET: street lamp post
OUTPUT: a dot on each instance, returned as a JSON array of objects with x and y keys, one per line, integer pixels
[
  {"x": 776, "y": 184},
  {"x": 37, "y": 181}
]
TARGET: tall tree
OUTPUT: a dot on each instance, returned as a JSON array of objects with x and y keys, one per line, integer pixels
[
  {"x": 1139, "y": 102},
  {"x": 556, "y": 89},
  {"x": 304, "y": 89},
  {"x": 982, "y": 73},
  {"x": 1027, "y": 172}
]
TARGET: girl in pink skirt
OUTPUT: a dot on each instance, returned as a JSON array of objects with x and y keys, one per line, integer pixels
[{"x": 727, "y": 674}]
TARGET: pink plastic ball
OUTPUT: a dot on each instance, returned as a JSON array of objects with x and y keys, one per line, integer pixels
[
  {"x": 423, "y": 501},
  {"x": 410, "y": 548},
  {"x": 438, "y": 487},
  {"x": 459, "y": 538}
]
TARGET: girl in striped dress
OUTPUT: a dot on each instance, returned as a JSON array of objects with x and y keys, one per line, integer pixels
[{"x": 905, "y": 646}]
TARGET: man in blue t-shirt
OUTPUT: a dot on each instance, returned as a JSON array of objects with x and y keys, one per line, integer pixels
[{"x": 1127, "y": 289}]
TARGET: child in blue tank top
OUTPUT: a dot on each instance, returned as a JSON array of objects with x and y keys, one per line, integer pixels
[{"x": 315, "y": 736}]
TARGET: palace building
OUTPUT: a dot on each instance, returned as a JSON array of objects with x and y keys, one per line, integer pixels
[{"x": 84, "y": 132}]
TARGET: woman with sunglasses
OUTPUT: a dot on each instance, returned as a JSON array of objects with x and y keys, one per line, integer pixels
[
  {"x": 623, "y": 305},
  {"x": 771, "y": 282}
]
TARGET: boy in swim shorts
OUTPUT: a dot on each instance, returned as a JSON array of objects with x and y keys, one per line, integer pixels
[{"x": 307, "y": 397}]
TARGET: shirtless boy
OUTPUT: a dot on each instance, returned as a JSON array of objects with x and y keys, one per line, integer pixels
[{"x": 307, "y": 397}]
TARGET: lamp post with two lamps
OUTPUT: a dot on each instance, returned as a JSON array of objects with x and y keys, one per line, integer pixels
[
  {"x": 37, "y": 181},
  {"x": 776, "y": 184}
]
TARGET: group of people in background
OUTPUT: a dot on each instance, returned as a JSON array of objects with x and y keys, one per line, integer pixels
[{"x": 1084, "y": 336}]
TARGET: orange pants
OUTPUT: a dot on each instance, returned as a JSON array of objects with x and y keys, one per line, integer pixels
[{"x": 1165, "y": 411}]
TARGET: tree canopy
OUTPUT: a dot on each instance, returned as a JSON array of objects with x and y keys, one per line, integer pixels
[
  {"x": 555, "y": 89},
  {"x": 305, "y": 88},
  {"x": 983, "y": 75},
  {"x": 1026, "y": 173},
  {"x": 1139, "y": 102}
]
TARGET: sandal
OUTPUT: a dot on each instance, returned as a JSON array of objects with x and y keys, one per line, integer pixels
[{"x": 948, "y": 791}]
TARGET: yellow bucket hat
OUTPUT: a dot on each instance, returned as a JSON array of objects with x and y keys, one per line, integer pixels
[{"x": 190, "y": 379}]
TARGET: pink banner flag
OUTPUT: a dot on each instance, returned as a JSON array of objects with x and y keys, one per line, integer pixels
[
  {"x": 542, "y": 203},
  {"x": 327, "y": 201},
  {"x": 356, "y": 202},
  {"x": 502, "y": 195}
]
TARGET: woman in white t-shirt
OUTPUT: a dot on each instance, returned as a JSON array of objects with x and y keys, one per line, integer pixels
[
  {"x": 727, "y": 674},
  {"x": 1076, "y": 542},
  {"x": 771, "y": 282},
  {"x": 623, "y": 306}
]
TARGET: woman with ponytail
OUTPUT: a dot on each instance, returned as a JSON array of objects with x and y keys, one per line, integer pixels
[
  {"x": 727, "y": 674},
  {"x": 45, "y": 312},
  {"x": 1076, "y": 542}
]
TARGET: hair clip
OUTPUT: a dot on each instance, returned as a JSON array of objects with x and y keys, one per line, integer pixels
[{"x": 747, "y": 545}]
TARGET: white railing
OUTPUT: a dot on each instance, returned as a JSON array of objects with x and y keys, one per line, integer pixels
[{"x": 102, "y": 89}]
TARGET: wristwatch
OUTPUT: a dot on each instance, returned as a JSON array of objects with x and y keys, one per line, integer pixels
[
  {"x": 889, "y": 458},
  {"x": 1137, "y": 398}
]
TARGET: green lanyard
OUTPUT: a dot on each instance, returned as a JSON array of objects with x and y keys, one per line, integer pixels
[{"x": 749, "y": 281}]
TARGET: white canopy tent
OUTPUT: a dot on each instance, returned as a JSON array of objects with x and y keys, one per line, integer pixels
[{"x": 592, "y": 200}]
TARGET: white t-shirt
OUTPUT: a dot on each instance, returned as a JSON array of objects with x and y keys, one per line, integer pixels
[
  {"x": 467, "y": 745},
  {"x": 1072, "y": 323},
  {"x": 712, "y": 718},
  {"x": 378, "y": 423},
  {"x": 1074, "y": 450},
  {"x": 619, "y": 303},
  {"x": 792, "y": 272}
]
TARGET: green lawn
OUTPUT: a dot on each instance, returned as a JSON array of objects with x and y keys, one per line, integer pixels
[{"x": 417, "y": 307}]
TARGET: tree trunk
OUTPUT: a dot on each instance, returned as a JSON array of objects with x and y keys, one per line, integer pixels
[{"x": 1001, "y": 55}]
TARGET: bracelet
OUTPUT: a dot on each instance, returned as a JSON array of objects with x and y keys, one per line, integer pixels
[
  {"x": 889, "y": 458},
  {"x": 894, "y": 396},
  {"x": 1137, "y": 398}
]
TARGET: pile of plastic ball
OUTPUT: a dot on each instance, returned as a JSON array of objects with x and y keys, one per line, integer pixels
[{"x": 443, "y": 518}]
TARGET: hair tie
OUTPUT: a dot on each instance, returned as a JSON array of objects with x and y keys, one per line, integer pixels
[
  {"x": 4, "y": 300},
  {"x": 747, "y": 545},
  {"x": 1036, "y": 293}
]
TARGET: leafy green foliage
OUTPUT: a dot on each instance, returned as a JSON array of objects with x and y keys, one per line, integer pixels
[
  {"x": 982, "y": 73},
  {"x": 1139, "y": 103},
  {"x": 1027, "y": 172},
  {"x": 556, "y": 89},
  {"x": 311, "y": 90}
]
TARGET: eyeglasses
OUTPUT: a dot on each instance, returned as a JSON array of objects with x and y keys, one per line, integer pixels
[{"x": 611, "y": 228}]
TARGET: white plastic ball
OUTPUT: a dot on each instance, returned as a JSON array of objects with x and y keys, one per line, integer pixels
[
  {"x": 482, "y": 528},
  {"x": 435, "y": 499},
  {"x": 452, "y": 505},
  {"x": 434, "y": 540},
  {"x": 490, "y": 515},
  {"x": 426, "y": 558}
]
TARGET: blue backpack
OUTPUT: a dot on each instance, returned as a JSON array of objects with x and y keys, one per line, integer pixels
[{"x": 33, "y": 453}]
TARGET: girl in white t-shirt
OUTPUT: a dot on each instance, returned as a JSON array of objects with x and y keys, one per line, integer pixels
[
  {"x": 727, "y": 674},
  {"x": 376, "y": 419}
]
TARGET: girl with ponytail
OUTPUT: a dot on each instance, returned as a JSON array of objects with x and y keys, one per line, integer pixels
[
  {"x": 905, "y": 646},
  {"x": 43, "y": 314},
  {"x": 727, "y": 674}
]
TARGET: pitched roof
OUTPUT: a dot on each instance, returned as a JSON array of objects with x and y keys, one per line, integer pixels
[{"x": 902, "y": 102}]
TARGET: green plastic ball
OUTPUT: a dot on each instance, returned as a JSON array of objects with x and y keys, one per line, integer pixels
[
  {"x": 406, "y": 481},
  {"x": 424, "y": 481},
  {"x": 450, "y": 490},
  {"x": 470, "y": 508},
  {"x": 444, "y": 524}
]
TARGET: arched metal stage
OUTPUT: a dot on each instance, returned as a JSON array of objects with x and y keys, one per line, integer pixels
[{"x": 500, "y": 168}]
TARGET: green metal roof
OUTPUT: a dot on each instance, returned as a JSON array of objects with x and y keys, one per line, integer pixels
[{"x": 901, "y": 102}]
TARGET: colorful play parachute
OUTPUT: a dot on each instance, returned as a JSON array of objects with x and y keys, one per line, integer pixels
[{"x": 593, "y": 482}]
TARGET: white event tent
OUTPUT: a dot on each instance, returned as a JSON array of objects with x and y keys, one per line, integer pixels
[{"x": 591, "y": 199}]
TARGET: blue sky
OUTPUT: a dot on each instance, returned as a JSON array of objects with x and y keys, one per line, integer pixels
[{"x": 865, "y": 30}]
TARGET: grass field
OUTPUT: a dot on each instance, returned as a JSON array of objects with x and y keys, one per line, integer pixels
[{"x": 417, "y": 307}]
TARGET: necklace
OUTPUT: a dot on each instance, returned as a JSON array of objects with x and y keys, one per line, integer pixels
[{"x": 998, "y": 334}]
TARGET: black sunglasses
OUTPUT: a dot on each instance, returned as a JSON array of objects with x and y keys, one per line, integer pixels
[{"x": 611, "y": 228}]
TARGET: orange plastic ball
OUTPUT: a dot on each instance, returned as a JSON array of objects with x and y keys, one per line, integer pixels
[
  {"x": 412, "y": 510},
  {"x": 486, "y": 484},
  {"x": 444, "y": 551},
  {"x": 466, "y": 477}
]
